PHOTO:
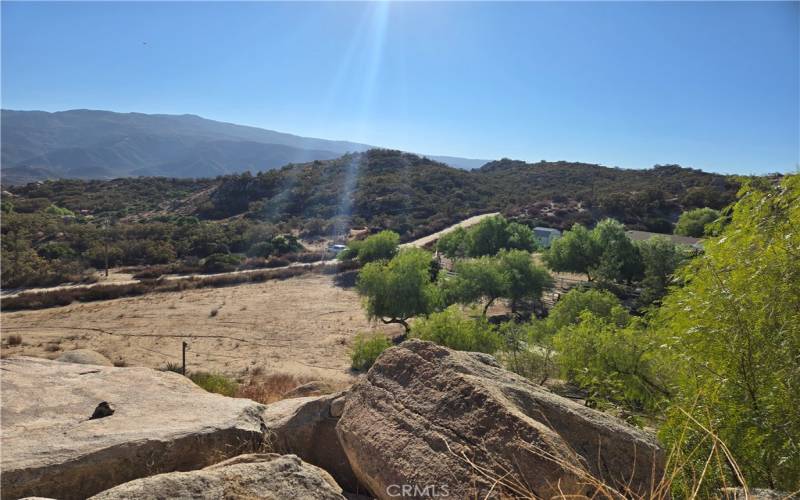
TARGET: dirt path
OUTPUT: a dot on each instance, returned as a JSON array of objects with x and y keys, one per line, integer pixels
[{"x": 427, "y": 240}]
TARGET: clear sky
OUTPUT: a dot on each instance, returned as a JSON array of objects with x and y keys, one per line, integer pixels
[{"x": 708, "y": 85}]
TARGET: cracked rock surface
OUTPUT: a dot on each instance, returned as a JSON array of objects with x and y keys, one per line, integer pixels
[{"x": 452, "y": 422}]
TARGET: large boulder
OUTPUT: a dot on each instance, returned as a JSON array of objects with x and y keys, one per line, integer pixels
[
  {"x": 84, "y": 357},
  {"x": 162, "y": 422},
  {"x": 427, "y": 420},
  {"x": 306, "y": 427},
  {"x": 263, "y": 476}
]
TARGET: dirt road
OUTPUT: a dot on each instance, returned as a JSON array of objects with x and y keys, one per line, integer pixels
[{"x": 431, "y": 238}]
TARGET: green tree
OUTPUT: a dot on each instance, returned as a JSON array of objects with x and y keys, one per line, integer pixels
[
  {"x": 399, "y": 289},
  {"x": 693, "y": 222},
  {"x": 619, "y": 258},
  {"x": 478, "y": 279},
  {"x": 381, "y": 246},
  {"x": 568, "y": 309},
  {"x": 660, "y": 258},
  {"x": 735, "y": 330},
  {"x": 454, "y": 244},
  {"x": 526, "y": 280},
  {"x": 488, "y": 237},
  {"x": 616, "y": 359},
  {"x": 575, "y": 252},
  {"x": 452, "y": 328}
]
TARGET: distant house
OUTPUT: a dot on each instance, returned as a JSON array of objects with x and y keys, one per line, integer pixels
[
  {"x": 675, "y": 238},
  {"x": 546, "y": 235}
]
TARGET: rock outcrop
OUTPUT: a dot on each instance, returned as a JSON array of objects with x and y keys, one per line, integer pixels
[
  {"x": 162, "y": 422},
  {"x": 84, "y": 357},
  {"x": 306, "y": 427},
  {"x": 263, "y": 476},
  {"x": 438, "y": 421}
]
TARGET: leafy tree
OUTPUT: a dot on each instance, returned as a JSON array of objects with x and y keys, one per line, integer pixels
[
  {"x": 478, "y": 279},
  {"x": 381, "y": 246},
  {"x": 605, "y": 252},
  {"x": 526, "y": 280},
  {"x": 454, "y": 243},
  {"x": 221, "y": 263},
  {"x": 615, "y": 359},
  {"x": 660, "y": 258},
  {"x": 575, "y": 252},
  {"x": 21, "y": 264},
  {"x": 693, "y": 222},
  {"x": 453, "y": 329},
  {"x": 261, "y": 249},
  {"x": 487, "y": 237},
  {"x": 568, "y": 309},
  {"x": 399, "y": 289},
  {"x": 619, "y": 258},
  {"x": 735, "y": 330}
]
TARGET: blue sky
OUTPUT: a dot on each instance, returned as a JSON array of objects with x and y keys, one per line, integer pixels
[{"x": 708, "y": 85}]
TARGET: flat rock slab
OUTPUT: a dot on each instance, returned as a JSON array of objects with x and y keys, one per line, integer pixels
[
  {"x": 262, "y": 476},
  {"x": 430, "y": 421},
  {"x": 162, "y": 422}
]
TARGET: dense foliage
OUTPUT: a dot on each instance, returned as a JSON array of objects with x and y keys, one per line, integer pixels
[
  {"x": 694, "y": 222},
  {"x": 452, "y": 328},
  {"x": 381, "y": 246},
  {"x": 735, "y": 332},
  {"x": 415, "y": 196},
  {"x": 42, "y": 248},
  {"x": 399, "y": 289},
  {"x": 366, "y": 349},
  {"x": 488, "y": 237}
]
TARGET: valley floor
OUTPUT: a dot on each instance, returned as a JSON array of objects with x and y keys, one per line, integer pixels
[{"x": 301, "y": 326}]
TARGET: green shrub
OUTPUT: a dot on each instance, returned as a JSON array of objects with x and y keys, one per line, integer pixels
[
  {"x": 367, "y": 349},
  {"x": 214, "y": 382},
  {"x": 221, "y": 263},
  {"x": 452, "y": 328}
]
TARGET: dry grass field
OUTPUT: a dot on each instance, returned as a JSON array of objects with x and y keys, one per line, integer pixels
[{"x": 301, "y": 326}]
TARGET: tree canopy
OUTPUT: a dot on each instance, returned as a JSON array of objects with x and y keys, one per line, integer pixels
[
  {"x": 693, "y": 222},
  {"x": 487, "y": 237},
  {"x": 399, "y": 289}
]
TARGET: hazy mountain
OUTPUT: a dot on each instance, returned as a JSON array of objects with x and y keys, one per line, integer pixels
[{"x": 91, "y": 144}]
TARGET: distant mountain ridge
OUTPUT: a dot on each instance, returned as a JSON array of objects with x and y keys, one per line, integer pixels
[{"x": 90, "y": 144}]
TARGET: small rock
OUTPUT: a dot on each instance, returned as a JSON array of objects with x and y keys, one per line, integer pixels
[{"x": 103, "y": 410}]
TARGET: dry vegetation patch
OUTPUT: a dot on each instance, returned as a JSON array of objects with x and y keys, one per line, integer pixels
[{"x": 301, "y": 326}]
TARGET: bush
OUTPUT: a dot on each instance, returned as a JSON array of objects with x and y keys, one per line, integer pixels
[
  {"x": 14, "y": 340},
  {"x": 214, "y": 382},
  {"x": 452, "y": 328},
  {"x": 694, "y": 222},
  {"x": 221, "y": 263},
  {"x": 367, "y": 349}
]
